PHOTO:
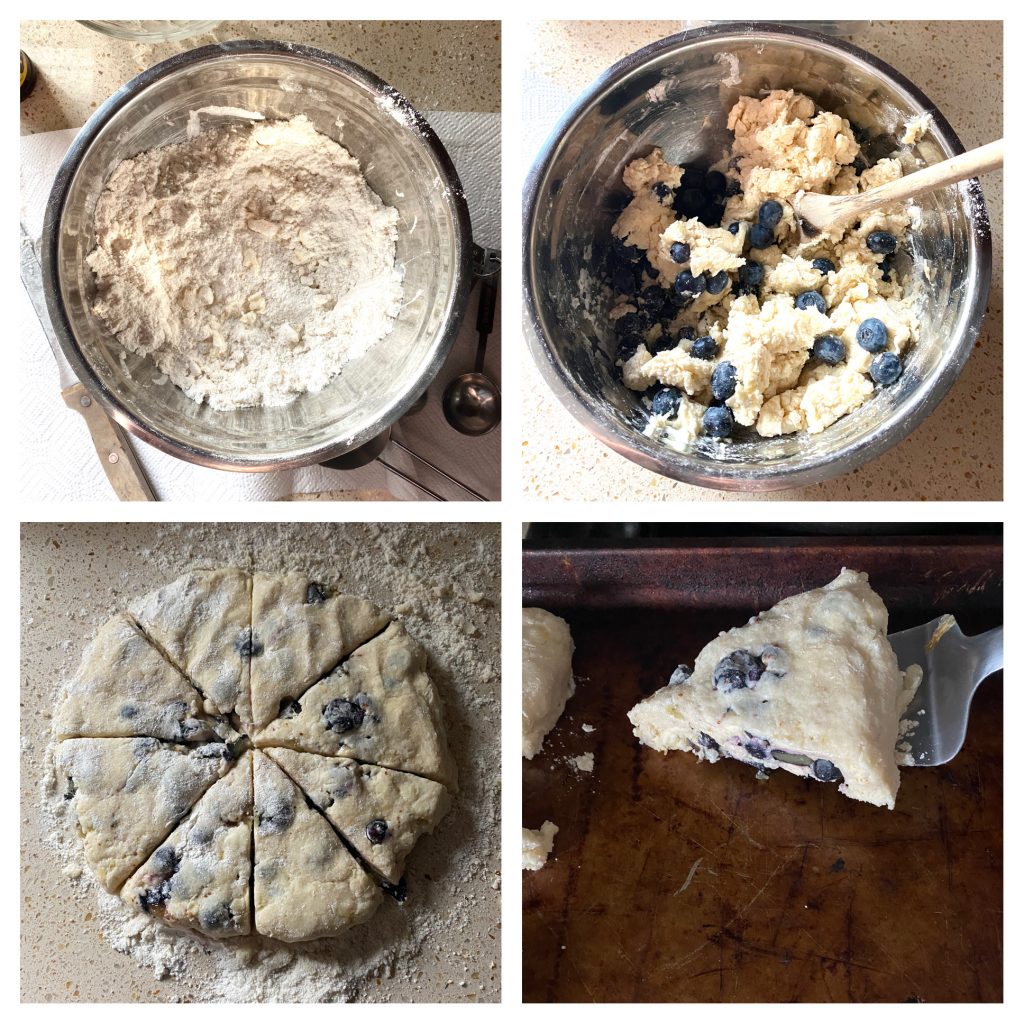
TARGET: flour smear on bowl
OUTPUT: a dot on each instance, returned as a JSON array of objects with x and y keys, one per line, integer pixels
[{"x": 250, "y": 262}]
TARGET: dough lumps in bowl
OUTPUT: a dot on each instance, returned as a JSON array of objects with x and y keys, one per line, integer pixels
[{"x": 675, "y": 95}]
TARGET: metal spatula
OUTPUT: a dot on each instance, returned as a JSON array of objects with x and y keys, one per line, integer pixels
[{"x": 954, "y": 666}]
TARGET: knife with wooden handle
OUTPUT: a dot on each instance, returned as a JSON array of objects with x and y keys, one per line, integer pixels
[{"x": 116, "y": 457}]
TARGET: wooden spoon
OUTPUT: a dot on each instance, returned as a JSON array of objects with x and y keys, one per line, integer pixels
[{"x": 817, "y": 213}]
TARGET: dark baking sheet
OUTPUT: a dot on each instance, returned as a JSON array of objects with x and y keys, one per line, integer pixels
[{"x": 798, "y": 894}]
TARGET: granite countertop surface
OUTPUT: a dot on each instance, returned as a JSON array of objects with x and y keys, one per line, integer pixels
[
  {"x": 956, "y": 454},
  {"x": 436, "y": 65}
]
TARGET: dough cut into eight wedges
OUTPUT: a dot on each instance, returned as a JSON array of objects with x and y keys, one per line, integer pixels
[{"x": 293, "y": 839}]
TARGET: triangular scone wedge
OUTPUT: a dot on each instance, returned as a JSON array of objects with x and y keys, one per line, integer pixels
[
  {"x": 201, "y": 621},
  {"x": 128, "y": 794},
  {"x": 199, "y": 875},
  {"x": 812, "y": 686},
  {"x": 126, "y": 687},
  {"x": 300, "y": 633},
  {"x": 379, "y": 707},
  {"x": 380, "y": 812},
  {"x": 306, "y": 885}
]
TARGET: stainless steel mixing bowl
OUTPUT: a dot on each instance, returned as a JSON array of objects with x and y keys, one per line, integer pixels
[
  {"x": 404, "y": 163},
  {"x": 675, "y": 94}
]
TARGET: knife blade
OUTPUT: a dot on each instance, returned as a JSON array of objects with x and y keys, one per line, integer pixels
[{"x": 126, "y": 476}]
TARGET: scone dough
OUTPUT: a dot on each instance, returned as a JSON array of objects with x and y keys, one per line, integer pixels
[
  {"x": 379, "y": 706},
  {"x": 547, "y": 675},
  {"x": 537, "y": 845},
  {"x": 306, "y": 885},
  {"x": 154, "y": 762},
  {"x": 811, "y": 686},
  {"x": 199, "y": 876},
  {"x": 380, "y": 812},
  {"x": 782, "y": 144}
]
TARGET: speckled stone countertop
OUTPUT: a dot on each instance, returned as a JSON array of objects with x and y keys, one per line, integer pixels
[
  {"x": 436, "y": 65},
  {"x": 956, "y": 454}
]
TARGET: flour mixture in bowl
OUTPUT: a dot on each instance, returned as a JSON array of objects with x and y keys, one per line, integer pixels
[
  {"x": 251, "y": 263},
  {"x": 725, "y": 317}
]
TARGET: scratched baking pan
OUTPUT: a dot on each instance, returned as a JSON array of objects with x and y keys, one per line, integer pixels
[{"x": 674, "y": 880}]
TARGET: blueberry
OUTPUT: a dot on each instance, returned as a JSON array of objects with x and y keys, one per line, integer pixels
[
  {"x": 289, "y": 708},
  {"x": 679, "y": 252},
  {"x": 247, "y": 645},
  {"x": 666, "y": 402},
  {"x": 882, "y": 242},
  {"x": 630, "y": 323},
  {"x": 706, "y": 741},
  {"x": 680, "y": 674},
  {"x": 829, "y": 349},
  {"x": 216, "y": 918},
  {"x": 859, "y": 166},
  {"x": 757, "y": 748},
  {"x": 823, "y": 266},
  {"x": 737, "y": 671},
  {"x": 872, "y": 335},
  {"x": 315, "y": 594},
  {"x": 661, "y": 190},
  {"x": 71, "y": 789},
  {"x": 704, "y": 348},
  {"x": 155, "y": 897},
  {"x": 811, "y": 300},
  {"x": 341, "y": 715},
  {"x": 718, "y": 421},
  {"x": 693, "y": 177},
  {"x": 664, "y": 344},
  {"x": 689, "y": 284},
  {"x": 275, "y": 817},
  {"x": 751, "y": 274},
  {"x": 760, "y": 237},
  {"x": 774, "y": 659},
  {"x": 687, "y": 333},
  {"x": 627, "y": 348},
  {"x": 165, "y": 862},
  {"x": 624, "y": 280},
  {"x": 732, "y": 187},
  {"x": 717, "y": 283},
  {"x": 769, "y": 213},
  {"x": 885, "y": 266},
  {"x": 826, "y": 771},
  {"x": 377, "y": 831},
  {"x": 624, "y": 253},
  {"x": 715, "y": 183},
  {"x": 886, "y": 368},
  {"x": 734, "y": 228},
  {"x": 692, "y": 201},
  {"x": 723, "y": 381},
  {"x": 653, "y": 298}
]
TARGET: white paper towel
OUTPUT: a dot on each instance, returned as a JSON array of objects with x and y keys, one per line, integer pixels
[{"x": 59, "y": 462}]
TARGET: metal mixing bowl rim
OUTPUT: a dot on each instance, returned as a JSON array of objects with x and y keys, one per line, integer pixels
[
  {"x": 150, "y": 432},
  {"x": 725, "y": 476}
]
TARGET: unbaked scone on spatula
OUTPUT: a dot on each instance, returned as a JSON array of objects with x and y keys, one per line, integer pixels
[{"x": 812, "y": 686}]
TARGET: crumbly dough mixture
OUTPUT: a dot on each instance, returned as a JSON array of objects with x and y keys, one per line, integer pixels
[
  {"x": 812, "y": 686},
  {"x": 251, "y": 262},
  {"x": 547, "y": 675},
  {"x": 783, "y": 144},
  {"x": 537, "y": 845}
]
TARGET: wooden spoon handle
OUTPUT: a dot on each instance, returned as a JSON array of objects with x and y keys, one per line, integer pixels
[{"x": 958, "y": 168}]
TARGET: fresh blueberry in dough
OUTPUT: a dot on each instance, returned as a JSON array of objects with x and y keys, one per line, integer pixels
[
  {"x": 687, "y": 333},
  {"x": 760, "y": 236},
  {"x": 829, "y": 349},
  {"x": 715, "y": 183},
  {"x": 723, "y": 381},
  {"x": 885, "y": 266},
  {"x": 737, "y": 671},
  {"x": 247, "y": 645},
  {"x": 623, "y": 253},
  {"x": 377, "y": 831},
  {"x": 886, "y": 368},
  {"x": 275, "y": 817},
  {"x": 630, "y": 323},
  {"x": 216, "y": 918},
  {"x": 165, "y": 862},
  {"x": 704, "y": 348},
  {"x": 811, "y": 300},
  {"x": 769, "y": 213},
  {"x": 718, "y": 421},
  {"x": 689, "y": 284},
  {"x": 707, "y": 741},
  {"x": 732, "y": 188},
  {"x": 315, "y": 594},
  {"x": 679, "y": 675},
  {"x": 157, "y": 896},
  {"x": 289, "y": 708},
  {"x": 717, "y": 283},
  {"x": 624, "y": 280},
  {"x": 679, "y": 252},
  {"x": 666, "y": 402},
  {"x": 757, "y": 748},
  {"x": 653, "y": 298},
  {"x": 751, "y": 274},
  {"x": 734, "y": 228},
  {"x": 882, "y": 242},
  {"x": 127, "y": 711},
  {"x": 826, "y": 771},
  {"x": 823, "y": 266},
  {"x": 663, "y": 344},
  {"x": 872, "y": 335},
  {"x": 341, "y": 715},
  {"x": 692, "y": 201},
  {"x": 627, "y": 348},
  {"x": 661, "y": 190}
]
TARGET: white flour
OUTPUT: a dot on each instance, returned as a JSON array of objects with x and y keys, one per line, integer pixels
[
  {"x": 443, "y": 582},
  {"x": 251, "y": 262}
]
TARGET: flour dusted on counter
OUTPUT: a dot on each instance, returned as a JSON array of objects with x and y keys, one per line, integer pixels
[{"x": 251, "y": 262}]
